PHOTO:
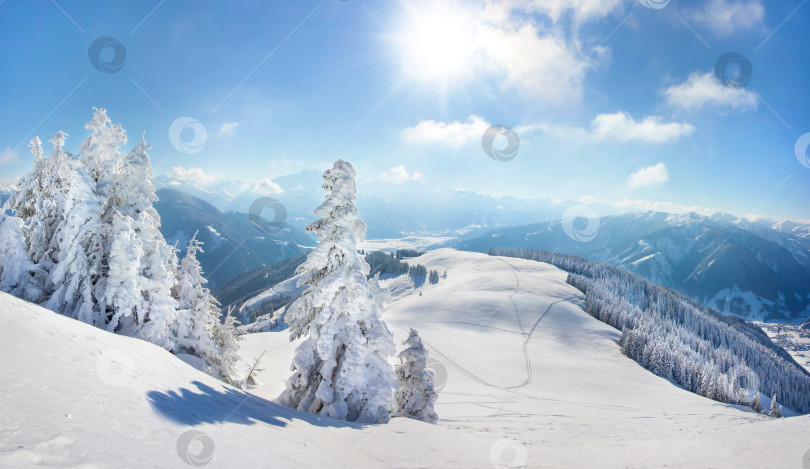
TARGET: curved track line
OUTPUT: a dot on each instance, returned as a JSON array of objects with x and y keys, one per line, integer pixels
[
  {"x": 529, "y": 376},
  {"x": 515, "y": 270},
  {"x": 510, "y": 389}
]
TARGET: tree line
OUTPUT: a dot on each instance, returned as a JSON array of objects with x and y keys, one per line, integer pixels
[{"x": 83, "y": 239}]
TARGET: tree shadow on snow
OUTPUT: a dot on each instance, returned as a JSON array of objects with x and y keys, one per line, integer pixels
[{"x": 230, "y": 406}]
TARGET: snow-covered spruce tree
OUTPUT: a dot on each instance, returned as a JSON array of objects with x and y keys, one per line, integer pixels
[
  {"x": 100, "y": 153},
  {"x": 80, "y": 250},
  {"x": 16, "y": 268},
  {"x": 155, "y": 317},
  {"x": 227, "y": 338},
  {"x": 776, "y": 409},
  {"x": 340, "y": 370},
  {"x": 40, "y": 203},
  {"x": 415, "y": 396},
  {"x": 756, "y": 404},
  {"x": 433, "y": 278},
  {"x": 89, "y": 231},
  {"x": 200, "y": 332}
]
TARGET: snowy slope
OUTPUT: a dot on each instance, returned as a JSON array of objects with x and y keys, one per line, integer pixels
[
  {"x": 526, "y": 378},
  {"x": 76, "y": 396},
  {"x": 520, "y": 362}
]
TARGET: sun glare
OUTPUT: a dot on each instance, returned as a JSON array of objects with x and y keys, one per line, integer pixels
[{"x": 438, "y": 42}]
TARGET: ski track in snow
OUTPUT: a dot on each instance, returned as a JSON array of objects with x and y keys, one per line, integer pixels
[{"x": 529, "y": 376}]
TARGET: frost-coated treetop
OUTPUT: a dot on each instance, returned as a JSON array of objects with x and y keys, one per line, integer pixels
[
  {"x": 338, "y": 213},
  {"x": 340, "y": 231}
]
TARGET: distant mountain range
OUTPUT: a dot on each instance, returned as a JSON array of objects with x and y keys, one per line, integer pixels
[
  {"x": 754, "y": 269},
  {"x": 757, "y": 270},
  {"x": 233, "y": 244},
  {"x": 389, "y": 210},
  {"x": 5, "y": 193}
]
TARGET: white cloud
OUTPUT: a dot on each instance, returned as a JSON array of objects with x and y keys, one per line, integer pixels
[
  {"x": 556, "y": 71},
  {"x": 266, "y": 186},
  {"x": 453, "y": 134},
  {"x": 192, "y": 175},
  {"x": 399, "y": 175},
  {"x": 663, "y": 206},
  {"x": 649, "y": 176},
  {"x": 622, "y": 127},
  {"x": 512, "y": 42},
  {"x": 228, "y": 129},
  {"x": 724, "y": 17},
  {"x": 8, "y": 156},
  {"x": 704, "y": 89},
  {"x": 9, "y": 183},
  {"x": 528, "y": 47},
  {"x": 587, "y": 199},
  {"x": 617, "y": 127},
  {"x": 556, "y": 9}
]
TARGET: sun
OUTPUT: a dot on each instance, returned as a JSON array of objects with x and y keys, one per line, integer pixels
[{"x": 438, "y": 41}]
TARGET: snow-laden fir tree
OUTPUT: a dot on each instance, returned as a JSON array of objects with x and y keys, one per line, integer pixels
[
  {"x": 415, "y": 397},
  {"x": 16, "y": 268},
  {"x": 80, "y": 252},
  {"x": 227, "y": 339},
  {"x": 776, "y": 409},
  {"x": 40, "y": 202},
  {"x": 340, "y": 370},
  {"x": 200, "y": 331},
  {"x": 155, "y": 313},
  {"x": 433, "y": 278},
  {"x": 87, "y": 242},
  {"x": 756, "y": 404}
]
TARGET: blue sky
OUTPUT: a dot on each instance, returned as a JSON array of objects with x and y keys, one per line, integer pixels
[{"x": 615, "y": 103}]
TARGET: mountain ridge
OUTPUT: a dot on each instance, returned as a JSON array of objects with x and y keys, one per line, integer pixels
[
  {"x": 232, "y": 243},
  {"x": 727, "y": 265}
]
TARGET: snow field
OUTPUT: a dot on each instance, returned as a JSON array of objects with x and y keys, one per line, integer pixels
[{"x": 77, "y": 396}]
